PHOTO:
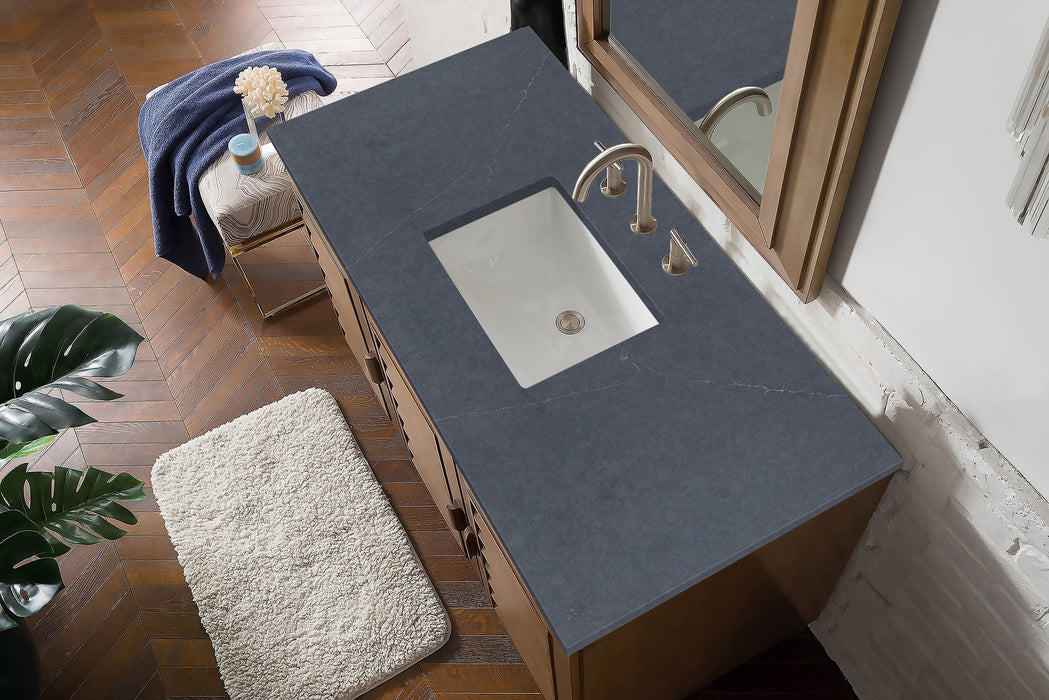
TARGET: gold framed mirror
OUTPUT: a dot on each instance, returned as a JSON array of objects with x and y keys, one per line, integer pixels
[{"x": 789, "y": 211}]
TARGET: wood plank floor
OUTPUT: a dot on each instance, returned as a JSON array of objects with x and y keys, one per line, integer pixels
[{"x": 75, "y": 228}]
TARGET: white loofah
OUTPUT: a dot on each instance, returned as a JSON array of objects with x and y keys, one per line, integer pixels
[
  {"x": 305, "y": 580},
  {"x": 263, "y": 89}
]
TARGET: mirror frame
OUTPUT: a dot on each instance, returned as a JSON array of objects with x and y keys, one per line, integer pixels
[{"x": 837, "y": 50}]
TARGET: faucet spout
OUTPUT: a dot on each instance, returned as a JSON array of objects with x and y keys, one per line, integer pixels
[
  {"x": 643, "y": 222},
  {"x": 726, "y": 104}
]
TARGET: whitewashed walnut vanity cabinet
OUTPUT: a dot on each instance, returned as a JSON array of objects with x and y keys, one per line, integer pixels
[{"x": 671, "y": 650}]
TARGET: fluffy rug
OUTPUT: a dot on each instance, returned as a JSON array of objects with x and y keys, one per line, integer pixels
[{"x": 305, "y": 580}]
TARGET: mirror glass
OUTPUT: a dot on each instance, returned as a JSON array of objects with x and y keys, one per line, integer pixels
[{"x": 718, "y": 64}]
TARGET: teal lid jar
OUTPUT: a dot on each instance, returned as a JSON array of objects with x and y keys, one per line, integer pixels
[{"x": 246, "y": 153}]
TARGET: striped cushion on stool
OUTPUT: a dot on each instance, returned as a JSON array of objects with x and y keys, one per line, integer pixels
[{"x": 244, "y": 206}]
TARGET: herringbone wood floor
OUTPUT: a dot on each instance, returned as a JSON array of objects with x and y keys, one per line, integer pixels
[{"x": 75, "y": 227}]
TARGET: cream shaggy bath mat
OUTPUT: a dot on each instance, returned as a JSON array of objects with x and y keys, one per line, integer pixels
[{"x": 305, "y": 580}]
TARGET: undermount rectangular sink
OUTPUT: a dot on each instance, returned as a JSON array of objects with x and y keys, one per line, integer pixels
[{"x": 522, "y": 267}]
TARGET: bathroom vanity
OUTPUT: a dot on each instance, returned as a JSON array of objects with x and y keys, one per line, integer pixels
[{"x": 648, "y": 517}]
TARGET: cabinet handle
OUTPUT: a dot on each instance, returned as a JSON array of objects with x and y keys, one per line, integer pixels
[
  {"x": 374, "y": 368},
  {"x": 458, "y": 516},
  {"x": 472, "y": 548}
]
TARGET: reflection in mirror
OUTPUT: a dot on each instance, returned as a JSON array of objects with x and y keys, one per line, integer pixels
[{"x": 718, "y": 64}]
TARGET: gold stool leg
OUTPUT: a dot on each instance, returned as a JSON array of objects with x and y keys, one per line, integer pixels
[{"x": 239, "y": 249}]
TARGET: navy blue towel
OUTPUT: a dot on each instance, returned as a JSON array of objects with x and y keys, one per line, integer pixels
[{"x": 184, "y": 127}]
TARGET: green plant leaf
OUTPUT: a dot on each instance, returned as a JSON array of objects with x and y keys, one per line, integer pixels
[
  {"x": 58, "y": 348},
  {"x": 72, "y": 505},
  {"x": 20, "y": 540},
  {"x": 17, "y": 450}
]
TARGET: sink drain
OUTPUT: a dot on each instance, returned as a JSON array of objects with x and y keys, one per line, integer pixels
[{"x": 570, "y": 322}]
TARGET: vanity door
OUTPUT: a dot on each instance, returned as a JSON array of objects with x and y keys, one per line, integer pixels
[
  {"x": 422, "y": 443},
  {"x": 349, "y": 309},
  {"x": 514, "y": 607}
]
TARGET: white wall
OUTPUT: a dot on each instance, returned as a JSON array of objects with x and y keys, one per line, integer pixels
[
  {"x": 927, "y": 244},
  {"x": 947, "y": 594},
  {"x": 440, "y": 28}
]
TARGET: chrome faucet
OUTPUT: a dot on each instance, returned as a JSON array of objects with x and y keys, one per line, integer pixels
[
  {"x": 729, "y": 102},
  {"x": 643, "y": 222}
]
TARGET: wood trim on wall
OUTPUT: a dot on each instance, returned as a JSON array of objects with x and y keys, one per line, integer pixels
[{"x": 836, "y": 54}]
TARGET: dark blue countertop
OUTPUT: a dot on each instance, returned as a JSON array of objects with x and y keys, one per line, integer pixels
[{"x": 629, "y": 477}]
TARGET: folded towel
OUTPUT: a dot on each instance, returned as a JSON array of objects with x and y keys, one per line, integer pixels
[{"x": 184, "y": 127}]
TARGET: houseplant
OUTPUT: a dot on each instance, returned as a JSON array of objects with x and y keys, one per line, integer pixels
[{"x": 44, "y": 513}]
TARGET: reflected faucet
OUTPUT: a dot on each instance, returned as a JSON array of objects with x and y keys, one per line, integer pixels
[
  {"x": 729, "y": 102},
  {"x": 643, "y": 222}
]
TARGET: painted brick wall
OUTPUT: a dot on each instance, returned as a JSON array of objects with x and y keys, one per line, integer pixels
[{"x": 948, "y": 592}]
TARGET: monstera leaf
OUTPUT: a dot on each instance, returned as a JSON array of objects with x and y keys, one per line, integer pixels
[
  {"x": 71, "y": 505},
  {"x": 58, "y": 348},
  {"x": 24, "y": 589}
]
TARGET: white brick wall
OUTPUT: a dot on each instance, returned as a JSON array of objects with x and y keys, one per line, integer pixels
[{"x": 947, "y": 594}]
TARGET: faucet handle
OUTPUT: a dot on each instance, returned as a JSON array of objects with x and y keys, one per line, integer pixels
[
  {"x": 680, "y": 259},
  {"x": 613, "y": 186}
]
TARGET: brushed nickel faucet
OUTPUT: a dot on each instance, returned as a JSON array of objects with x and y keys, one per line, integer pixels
[
  {"x": 680, "y": 259},
  {"x": 643, "y": 222},
  {"x": 729, "y": 102}
]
